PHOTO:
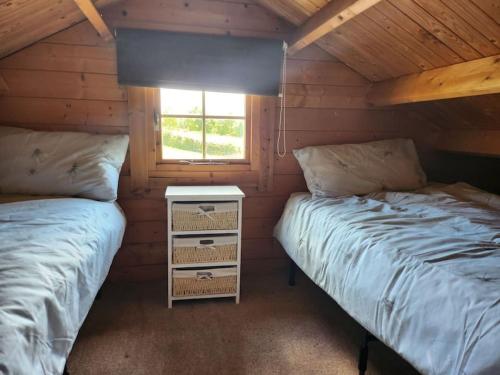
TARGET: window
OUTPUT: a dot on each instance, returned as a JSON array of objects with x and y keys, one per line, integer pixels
[
  {"x": 203, "y": 126},
  {"x": 156, "y": 160}
]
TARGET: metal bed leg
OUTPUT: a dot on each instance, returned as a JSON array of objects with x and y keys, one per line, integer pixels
[
  {"x": 363, "y": 352},
  {"x": 292, "y": 270},
  {"x": 99, "y": 294}
]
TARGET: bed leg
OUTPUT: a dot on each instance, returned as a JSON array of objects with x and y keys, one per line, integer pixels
[
  {"x": 292, "y": 270},
  {"x": 363, "y": 352}
]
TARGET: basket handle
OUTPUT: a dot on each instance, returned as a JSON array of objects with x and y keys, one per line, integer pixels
[
  {"x": 206, "y": 208},
  {"x": 204, "y": 275},
  {"x": 207, "y": 242}
]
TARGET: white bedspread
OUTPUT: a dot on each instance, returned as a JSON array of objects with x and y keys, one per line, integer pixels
[
  {"x": 54, "y": 256},
  {"x": 419, "y": 270}
]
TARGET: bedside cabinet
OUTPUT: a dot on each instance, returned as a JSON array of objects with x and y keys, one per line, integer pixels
[{"x": 204, "y": 242}]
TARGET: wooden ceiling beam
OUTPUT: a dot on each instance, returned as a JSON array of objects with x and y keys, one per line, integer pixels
[
  {"x": 90, "y": 11},
  {"x": 472, "y": 78},
  {"x": 326, "y": 20}
]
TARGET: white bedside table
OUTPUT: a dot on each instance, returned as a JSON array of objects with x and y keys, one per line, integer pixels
[{"x": 204, "y": 242}]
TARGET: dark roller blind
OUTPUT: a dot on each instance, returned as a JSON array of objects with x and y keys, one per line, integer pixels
[{"x": 196, "y": 61}]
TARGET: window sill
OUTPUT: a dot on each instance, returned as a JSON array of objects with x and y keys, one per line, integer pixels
[{"x": 216, "y": 167}]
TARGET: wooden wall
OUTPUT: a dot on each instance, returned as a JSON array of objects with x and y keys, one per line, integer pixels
[
  {"x": 68, "y": 81},
  {"x": 469, "y": 125},
  {"x": 325, "y": 106},
  {"x": 468, "y": 145},
  {"x": 450, "y": 167}
]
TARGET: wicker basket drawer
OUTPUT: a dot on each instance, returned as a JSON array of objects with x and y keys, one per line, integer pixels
[
  {"x": 205, "y": 249},
  {"x": 204, "y": 282},
  {"x": 204, "y": 216}
]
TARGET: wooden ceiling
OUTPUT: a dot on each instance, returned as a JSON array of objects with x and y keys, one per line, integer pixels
[
  {"x": 380, "y": 39},
  {"x": 399, "y": 37},
  {"x": 388, "y": 40},
  {"x": 24, "y": 22},
  {"x": 474, "y": 112},
  {"x": 234, "y": 17}
]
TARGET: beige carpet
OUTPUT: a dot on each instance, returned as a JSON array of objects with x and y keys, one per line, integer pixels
[{"x": 276, "y": 329}]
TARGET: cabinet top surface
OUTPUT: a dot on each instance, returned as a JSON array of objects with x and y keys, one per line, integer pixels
[{"x": 230, "y": 191}]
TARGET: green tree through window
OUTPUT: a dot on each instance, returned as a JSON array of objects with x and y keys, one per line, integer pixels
[{"x": 202, "y": 125}]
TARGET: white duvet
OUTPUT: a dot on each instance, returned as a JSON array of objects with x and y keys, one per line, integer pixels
[
  {"x": 54, "y": 256},
  {"x": 419, "y": 270}
]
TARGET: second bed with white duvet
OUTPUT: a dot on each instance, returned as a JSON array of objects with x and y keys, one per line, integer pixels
[{"x": 420, "y": 270}]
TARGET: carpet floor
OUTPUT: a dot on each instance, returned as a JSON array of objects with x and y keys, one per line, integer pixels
[{"x": 276, "y": 329}]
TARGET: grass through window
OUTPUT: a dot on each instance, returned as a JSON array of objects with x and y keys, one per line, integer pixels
[{"x": 202, "y": 125}]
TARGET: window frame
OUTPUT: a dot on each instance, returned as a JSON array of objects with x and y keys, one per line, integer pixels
[
  {"x": 158, "y": 116},
  {"x": 146, "y": 173}
]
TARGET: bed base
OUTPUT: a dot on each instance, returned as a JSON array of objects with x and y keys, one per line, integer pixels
[
  {"x": 367, "y": 336},
  {"x": 97, "y": 297},
  {"x": 292, "y": 270},
  {"x": 363, "y": 351}
]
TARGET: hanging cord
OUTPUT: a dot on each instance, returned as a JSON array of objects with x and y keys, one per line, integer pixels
[{"x": 282, "y": 120}]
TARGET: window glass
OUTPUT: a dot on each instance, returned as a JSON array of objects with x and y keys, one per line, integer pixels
[
  {"x": 225, "y": 139},
  {"x": 197, "y": 125},
  {"x": 222, "y": 104},
  {"x": 181, "y": 102},
  {"x": 182, "y": 138}
]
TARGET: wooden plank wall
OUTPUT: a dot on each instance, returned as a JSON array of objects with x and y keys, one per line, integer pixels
[
  {"x": 65, "y": 82},
  {"x": 450, "y": 167},
  {"x": 68, "y": 81},
  {"x": 468, "y": 125}
]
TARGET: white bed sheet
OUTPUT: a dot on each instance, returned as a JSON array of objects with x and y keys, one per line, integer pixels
[
  {"x": 419, "y": 270},
  {"x": 54, "y": 256}
]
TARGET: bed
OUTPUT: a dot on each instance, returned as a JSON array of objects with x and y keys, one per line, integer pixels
[
  {"x": 419, "y": 270},
  {"x": 57, "y": 239},
  {"x": 54, "y": 256}
]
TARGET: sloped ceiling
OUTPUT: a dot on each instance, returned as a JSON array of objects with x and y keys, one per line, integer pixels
[
  {"x": 24, "y": 22},
  {"x": 468, "y": 113},
  {"x": 238, "y": 18},
  {"x": 392, "y": 38},
  {"x": 398, "y": 37}
]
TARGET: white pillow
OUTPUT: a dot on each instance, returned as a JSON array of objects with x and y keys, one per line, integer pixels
[
  {"x": 353, "y": 169},
  {"x": 61, "y": 163}
]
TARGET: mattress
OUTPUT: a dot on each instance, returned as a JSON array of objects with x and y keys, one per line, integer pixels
[
  {"x": 54, "y": 256},
  {"x": 420, "y": 270}
]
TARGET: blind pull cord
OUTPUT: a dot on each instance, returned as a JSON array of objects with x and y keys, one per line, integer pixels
[{"x": 281, "y": 146}]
